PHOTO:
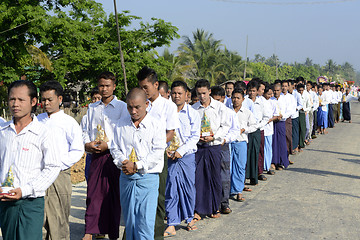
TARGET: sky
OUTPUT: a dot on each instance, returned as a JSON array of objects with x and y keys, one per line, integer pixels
[{"x": 292, "y": 29}]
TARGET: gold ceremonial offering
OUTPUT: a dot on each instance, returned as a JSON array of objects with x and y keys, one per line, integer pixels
[
  {"x": 101, "y": 135},
  {"x": 206, "y": 130},
  {"x": 132, "y": 156},
  {"x": 343, "y": 98},
  {"x": 320, "y": 101},
  {"x": 8, "y": 184},
  {"x": 174, "y": 144}
]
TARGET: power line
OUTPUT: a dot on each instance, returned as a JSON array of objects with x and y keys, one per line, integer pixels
[
  {"x": 19, "y": 25},
  {"x": 285, "y": 3}
]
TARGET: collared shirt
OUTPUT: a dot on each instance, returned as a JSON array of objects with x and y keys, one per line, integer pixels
[
  {"x": 247, "y": 103},
  {"x": 166, "y": 111},
  {"x": 280, "y": 104},
  {"x": 105, "y": 115},
  {"x": 234, "y": 126},
  {"x": 2, "y": 120},
  {"x": 298, "y": 104},
  {"x": 330, "y": 94},
  {"x": 247, "y": 121},
  {"x": 217, "y": 114},
  {"x": 148, "y": 141},
  {"x": 269, "y": 127},
  {"x": 307, "y": 101},
  {"x": 189, "y": 130},
  {"x": 350, "y": 97},
  {"x": 315, "y": 99},
  {"x": 323, "y": 102},
  {"x": 287, "y": 105},
  {"x": 339, "y": 96},
  {"x": 261, "y": 114},
  {"x": 68, "y": 136},
  {"x": 326, "y": 97},
  {"x": 33, "y": 156}
]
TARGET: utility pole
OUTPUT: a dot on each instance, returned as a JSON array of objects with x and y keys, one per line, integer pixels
[
  {"x": 276, "y": 65},
  {"x": 246, "y": 56},
  {"x": 120, "y": 50}
]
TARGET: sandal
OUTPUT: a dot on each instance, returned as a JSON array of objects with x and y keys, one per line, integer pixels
[
  {"x": 191, "y": 227},
  {"x": 271, "y": 172},
  {"x": 240, "y": 198},
  {"x": 169, "y": 234},
  {"x": 216, "y": 214},
  {"x": 196, "y": 218},
  {"x": 246, "y": 189}
]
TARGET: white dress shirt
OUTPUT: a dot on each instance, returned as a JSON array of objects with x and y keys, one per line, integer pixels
[
  {"x": 281, "y": 107},
  {"x": 315, "y": 99},
  {"x": 106, "y": 116},
  {"x": 291, "y": 105},
  {"x": 323, "y": 102},
  {"x": 269, "y": 127},
  {"x": 68, "y": 137},
  {"x": 306, "y": 101},
  {"x": 247, "y": 121},
  {"x": 217, "y": 114},
  {"x": 299, "y": 105},
  {"x": 165, "y": 111},
  {"x": 2, "y": 120},
  {"x": 189, "y": 130},
  {"x": 33, "y": 156},
  {"x": 148, "y": 141},
  {"x": 261, "y": 114},
  {"x": 247, "y": 103},
  {"x": 234, "y": 126},
  {"x": 350, "y": 97}
]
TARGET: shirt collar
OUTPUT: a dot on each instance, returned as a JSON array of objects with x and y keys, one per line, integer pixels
[
  {"x": 185, "y": 108},
  {"x": 112, "y": 103},
  {"x": 34, "y": 126},
  {"x": 145, "y": 123}
]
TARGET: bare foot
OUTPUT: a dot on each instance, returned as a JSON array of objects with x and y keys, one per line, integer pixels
[
  {"x": 87, "y": 236},
  {"x": 170, "y": 231},
  {"x": 196, "y": 218}
]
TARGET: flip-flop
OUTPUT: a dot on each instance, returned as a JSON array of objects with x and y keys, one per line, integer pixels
[
  {"x": 169, "y": 234},
  {"x": 246, "y": 189},
  {"x": 191, "y": 227}
]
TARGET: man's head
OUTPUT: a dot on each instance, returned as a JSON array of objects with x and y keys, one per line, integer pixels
[
  {"x": 309, "y": 86},
  {"x": 241, "y": 84},
  {"x": 22, "y": 98},
  {"x": 194, "y": 96},
  {"x": 300, "y": 80},
  {"x": 268, "y": 92},
  {"x": 95, "y": 95},
  {"x": 51, "y": 94},
  {"x": 284, "y": 86},
  {"x": 106, "y": 84},
  {"x": 347, "y": 91},
  {"x": 237, "y": 97},
  {"x": 277, "y": 90},
  {"x": 229, "y": 87},
  {"x": 300, "y": 88},
  {"x": 179, "y": 92},
  {"x": 203, "y": 90},
  {"x": 148, "y": 81},
  {"x": 218, "y": 93},
  {"x": 261, "y": 88},
  {"x": 320, "y": 89},
  {"x": 252, "y": 89},
  {"x": 164, "y": 89},
  {"x": 136, "y": 103}
]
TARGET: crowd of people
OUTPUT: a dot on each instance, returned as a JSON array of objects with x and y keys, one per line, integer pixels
[{"x": 166, "y": 155}]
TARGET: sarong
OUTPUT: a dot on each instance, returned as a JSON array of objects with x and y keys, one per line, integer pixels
[
  {"x": 208, "y": 179},
  {"x": 225, "y": 175},
  {"x": 311, "y": 123},
  {"x": 322, "y": 118},
  {"x": 341, "y": 111},
  {"x": 261, "y": 153},
  {"x": 138, "y": 193},
  {"x": 307, "y": 122},
  {"x": 238, "y": 161},
  {"x": 160, "y": 209},
  {"x": 87, "y": 165},
  {"x": 180, "y": 190},
  {"x": 315, "y": 126},
  {"x": 268, "y": 152},
  {"x": 330, "y": 116},
  {"x": 288, "y": 127},
  {"x": 337, "y": 112},
  {"x": 103, "y": 198},
  {"x": 22, "y": 219},
  {"x": 253, "y": 156},
  {"x": 295, "y": 132},
  {"x": 302, "y": 129},
  {"x": 57, "y": 207},
  {"x": 346, "y": 111},
  {"x": 280, "y": 156}
]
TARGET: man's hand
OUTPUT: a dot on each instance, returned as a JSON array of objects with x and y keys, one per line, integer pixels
[
  {"x": 207, "y": 139},
  {"x": 176, "y": 155},
  {"x": 14, "y": 195},
  {"x": 102, "y": 146},
  {"x": 168, "y": 153},
  {"x": 129, "y": 168},
  {"x": 92, "y": 147},
  {"x": 242, "y": 130}
]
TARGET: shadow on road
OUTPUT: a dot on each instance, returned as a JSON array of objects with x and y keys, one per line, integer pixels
[
  {"x": 322, "y": 173},
  {"x": 326, "y": 151},
  {"x": 351, "y": 160},
  {"x": 337, "y": 193}
]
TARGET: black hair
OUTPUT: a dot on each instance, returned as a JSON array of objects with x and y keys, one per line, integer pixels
[
  {"x": 202, "y": 83},
  {"x": 94, "y": 91},
  {"x": 238, "y": 90},
  {"x": 277, "y": 81},
  {"x": 300, "y": 79},
  {"x": 284, "y": 81},
  {"x": 230, "y": 83},
  {"x": 147, "y": 73},
  {"x": 217, "y": 91},
  {"x": 267, "y": 87},
  {"x": 253, "y": 84},
  {"x": 52, "y": 85},
  {"x": 300, "y": 85},
  {"x": 30, "y": 85},
  {"x": 164, "y": 85},
  {"x": 240, "y": 84},
  {"x": 179, "y": 84},
  {"x": 193, "y": 93},
  {"x": 107, "y": 75}
]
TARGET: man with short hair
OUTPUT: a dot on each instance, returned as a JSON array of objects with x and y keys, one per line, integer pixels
[
  {"x": 29, "y": 161},
  {"x": 296, "y": 106},
  {"x": 229, "y": 88},
  {"x": 137, "y": 148},
  {"x": 290, "y": 108},
  {"x": 71, "y": 148},
  {"x": 166, "y": 112},
  {"x": 103, "y": 200},
  {"x": 164, "y": 89},
  {"x": 180, "y": 185}
]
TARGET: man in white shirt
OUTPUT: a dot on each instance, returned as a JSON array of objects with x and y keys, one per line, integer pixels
[
  {"x": 338, "y": 96},
  {"x": 329, "y": 94},
  {"x": 295, "y": 116},
  {"x": 290, "y": 109},
  {"x": 103, "y": 200},
  {"x": 29, "y": 164},
  {"x": 137, "y": 148},
  {"x": 229, "y": 88},
  {"x": 247, "y": 124},
  {"x": 214, "y": 128},
  {"x": 71, "y": 148},
  {"x": 166, "y": 112},
  {"x": 347, "y": 97},
  {"x": 2, "y": 120},
  {"x": 180, "y": 185},
  {"x": 307, "y": 105}
]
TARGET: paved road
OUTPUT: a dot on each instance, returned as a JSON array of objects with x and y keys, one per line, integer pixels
[{"x": 316, "y": 198}]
